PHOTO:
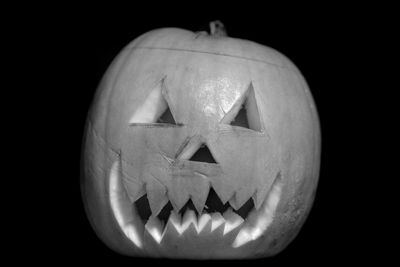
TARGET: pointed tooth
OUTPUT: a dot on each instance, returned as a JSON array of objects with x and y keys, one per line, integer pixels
[
  {"x": 224, "y": 189},
  {"x": 252, "y": 217},
  {"x": 175, "y": 221},
  {"x": 156, "y": 194},
  {"x": 178, "y": 194},
  {"x": 232, "y": 220},
  {"x": 247, "y": 234},
  {"x": 134, "y": 186},
  {"x": 193, "y": 186},
  {"x": 199, "y": 196},
  {"x": 243, "y": 195},
  {"x": 232, "y": 202},
  {"x": 154, "y": 222},
  {"x": 135, "y": 189},
  {"x": 175, "y": 217},
  {"x": 228, "y": 214},
  {"x": 131, "y": 232},
  {"x": 216, "y": 220},
  {"x": 154, "y": 227},
  {"x": 242, "y": 238},
  {"x": 250, "y": 231},
  {"x": 189, "y": 218},
  {"x": 202, "y": 222},
  {"x": 178, "y": 201},
  {"x": 259, "y": 197}
]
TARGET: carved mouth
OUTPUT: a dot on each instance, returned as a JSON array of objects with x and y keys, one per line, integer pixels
[
  {"x": 214, "y": 211},
  {"x": 249, "y": 221}
]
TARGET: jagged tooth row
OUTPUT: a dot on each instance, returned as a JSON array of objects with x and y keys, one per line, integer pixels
[
  {"x": 179, "y": 195},
  {"x": 188, "y": 218},
  {"x": 196, "y": 188},
  {"x": 229, "y": 221}
]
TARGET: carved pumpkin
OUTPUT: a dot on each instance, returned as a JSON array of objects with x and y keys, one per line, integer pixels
[{"x": 200, "y": 146}]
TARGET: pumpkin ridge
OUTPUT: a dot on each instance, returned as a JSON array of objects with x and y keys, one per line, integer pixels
[
  {"x": 212, "y": 53},
  {"x": 101, "y": 141}
]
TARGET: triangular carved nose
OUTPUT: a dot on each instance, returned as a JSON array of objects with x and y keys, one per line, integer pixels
[
  {"x": 245, "y": 112},
  {"x": 203, "y": 154},
  {"x": 196, "y": 149}
]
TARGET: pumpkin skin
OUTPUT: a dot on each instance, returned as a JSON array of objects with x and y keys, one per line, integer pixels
[{"x": 202, "y": 78}]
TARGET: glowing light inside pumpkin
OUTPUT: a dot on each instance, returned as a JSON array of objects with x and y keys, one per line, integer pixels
[
  {"x": 119, "y": 201},
  {"x": 155, "y": 233},
  {"x": 264, "y": 220},
  {"x": 232, "y": 222},
  {"x": 217, "y": 220},
  {"x": 151, "y": 109}
]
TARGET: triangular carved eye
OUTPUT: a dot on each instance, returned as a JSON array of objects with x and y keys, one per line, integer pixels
[
  {"x": 241, "y": 118},
  {"x": 245, "y": 113},
  {"x": 167, "y": 117},
  {"x": 154, "y": 110}
]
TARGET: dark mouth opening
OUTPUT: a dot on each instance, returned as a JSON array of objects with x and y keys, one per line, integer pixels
[{"x": 213, "y": 204}]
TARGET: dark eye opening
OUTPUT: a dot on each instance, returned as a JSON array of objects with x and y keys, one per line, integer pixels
[{"x": 248, "y": 115}]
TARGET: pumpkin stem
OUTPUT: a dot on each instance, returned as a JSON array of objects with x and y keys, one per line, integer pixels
[{"x": 217, "y": 28}]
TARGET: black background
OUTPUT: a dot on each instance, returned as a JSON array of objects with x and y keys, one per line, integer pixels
[{"x": 72, "y": 50}]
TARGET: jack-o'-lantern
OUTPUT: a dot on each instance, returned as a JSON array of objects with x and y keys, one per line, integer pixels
[{"x": 200, "y": 146}]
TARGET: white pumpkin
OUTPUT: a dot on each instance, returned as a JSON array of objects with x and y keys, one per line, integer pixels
[{"x": 200, "y": 146}]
